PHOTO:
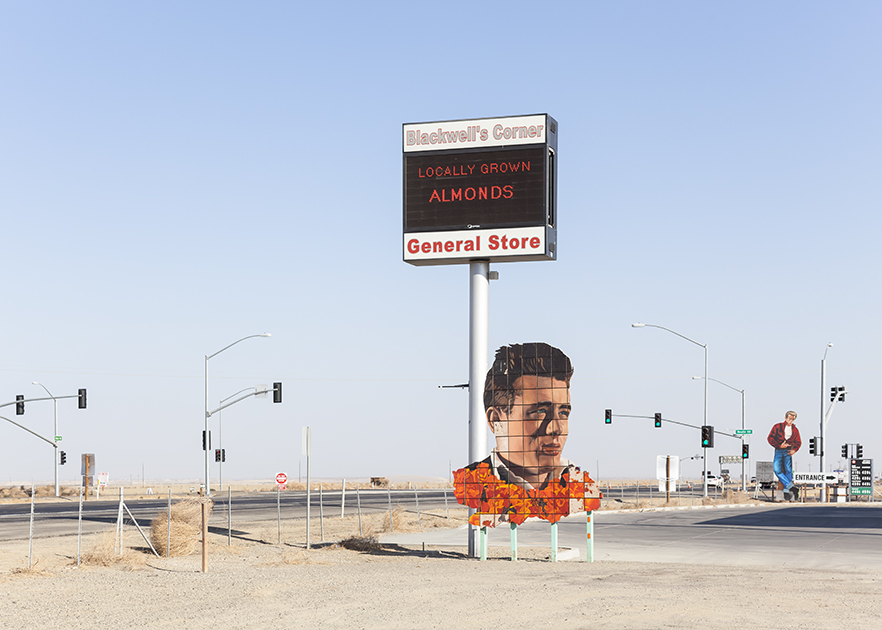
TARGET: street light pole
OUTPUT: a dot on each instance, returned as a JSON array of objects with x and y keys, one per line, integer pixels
[
  {"x": 703, "y": 345},
  {"x": 740, "y": 391},
  {"x": 54, "y": 435},
  {"x": 824, "y": 423},
  {"x": 207, "y": 444}
]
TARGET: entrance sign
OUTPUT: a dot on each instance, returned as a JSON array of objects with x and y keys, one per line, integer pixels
[
  {"x": 813, "y": 478},
  {"x": 482, "y": 189}
]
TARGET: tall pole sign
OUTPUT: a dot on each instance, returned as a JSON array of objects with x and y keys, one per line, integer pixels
[{"x": 475, "y": 192}]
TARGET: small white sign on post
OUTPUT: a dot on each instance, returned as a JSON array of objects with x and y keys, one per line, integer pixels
[
  {"x": 101, "y": 479},
  {"x": 661, "y": 472}
]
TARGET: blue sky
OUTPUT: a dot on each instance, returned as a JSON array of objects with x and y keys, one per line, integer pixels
[{"x": 175, "y": 177}]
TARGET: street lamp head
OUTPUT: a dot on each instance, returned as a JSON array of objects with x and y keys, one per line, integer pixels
[
  {"x": 265, "y": 334},
  {"x": 638, "y": 325},
  {"x": 830, "y": 345},
  {"x": 697, "y": 378},
  {"x": 34, "y": 383}
]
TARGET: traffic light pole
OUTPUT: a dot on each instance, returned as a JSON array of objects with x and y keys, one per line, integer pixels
[
  {"x": 55, "y": 401},
  {"x": 207, "y": 414},
  {"x": 823, "y": 426}
]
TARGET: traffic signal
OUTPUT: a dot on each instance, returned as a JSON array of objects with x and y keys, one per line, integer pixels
[
  {"x": 63, "y": 458},
  {"x": 206, "y": 444},
  {"x": 277, "y": 392},
  {"x": 81, "y": 399},
  {"x": 223, "y": 454},
  {"x": 813, "y": 449},
  {"x": 607, "y": 418},
  {"x": 19, "y": 405},
  {"x": 845, "y": 450},
  {"x": 745, "y": 451},
  {"x": 658, "y": 421},
  {"x": 707, "y": 436},
  {"x": 838, "y": 392},
  {"x": 859, "y": 451},
  {"x": 217, "y": 454}
]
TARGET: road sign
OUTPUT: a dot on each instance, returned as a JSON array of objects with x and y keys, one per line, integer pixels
[
  {"x": 810, "y": 477},
  {"x": 730, "y": 459},
  {"x": 281, "y": 479},
  {"x": 743, "y": 431},
  {"x": 58, "y": 438}
]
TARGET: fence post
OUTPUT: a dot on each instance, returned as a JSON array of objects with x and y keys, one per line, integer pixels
[
  {"x": 417, "y": 497},
  {"x": 168, "y": 529},
  {"x": 358, "y": 500},
  {"x": 31, "y": 533},
  {"x": 321, "y": 514},
  {"x": 389, "y": 492},
  {"x": 80, "y": 528}
]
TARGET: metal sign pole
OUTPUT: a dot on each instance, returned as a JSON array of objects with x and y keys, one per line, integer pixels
[
  {"x": 479, "y": 328},
  {"x": 823, "y": 425}
]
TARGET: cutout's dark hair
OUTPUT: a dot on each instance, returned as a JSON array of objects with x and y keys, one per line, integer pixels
[{"x": 517, "y": 360}]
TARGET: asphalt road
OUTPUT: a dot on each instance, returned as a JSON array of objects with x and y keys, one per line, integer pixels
[{"x": 847, "y": 536}]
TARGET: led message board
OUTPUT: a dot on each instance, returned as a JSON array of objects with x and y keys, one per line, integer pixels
[{"x": 480, "y": 189}]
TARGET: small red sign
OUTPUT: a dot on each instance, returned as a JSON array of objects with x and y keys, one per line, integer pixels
[{"x": 281, "y": 479}]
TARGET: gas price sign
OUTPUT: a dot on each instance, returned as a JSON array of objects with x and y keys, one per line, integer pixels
[{"x": 480, "y": 189}]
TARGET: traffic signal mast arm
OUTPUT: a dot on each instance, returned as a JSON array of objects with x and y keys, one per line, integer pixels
[
  {"x": 839, "y": 396},
  {"x": 682, "y": 424},
  {"x": 45, "y": 439},
  {"x": 27, "y": 400},
  {"x": 277, "y": 388}
]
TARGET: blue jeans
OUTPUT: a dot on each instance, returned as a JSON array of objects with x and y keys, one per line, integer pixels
[{"x": 783, "y": 467}]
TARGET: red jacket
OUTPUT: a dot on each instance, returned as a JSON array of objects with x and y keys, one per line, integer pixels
[{"x": 776, "y": 436}]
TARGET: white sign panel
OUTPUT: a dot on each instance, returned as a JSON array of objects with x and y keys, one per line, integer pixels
[
  {"x": 809, "y": 477},
  {"x": 481, "y": 133},
  {"x": 511, "y": 243},
  {"x": 661, "y": 466}
]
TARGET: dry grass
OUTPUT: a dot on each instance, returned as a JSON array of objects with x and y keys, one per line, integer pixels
[
  {"x": 33, "y": 571},
  {"x": 361, "y": 543},
  {"x": 24, "y": 492},
  {"x": 181, "y": 536},
  {"x": 104, "y": 553}
]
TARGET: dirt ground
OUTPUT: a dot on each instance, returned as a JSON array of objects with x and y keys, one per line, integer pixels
[{"x": 258, "y": 583}]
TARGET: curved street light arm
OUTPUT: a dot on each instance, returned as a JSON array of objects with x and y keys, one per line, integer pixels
[
  {"x": 673, "y": 332},
  {"x": 208, "y": 356}
]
